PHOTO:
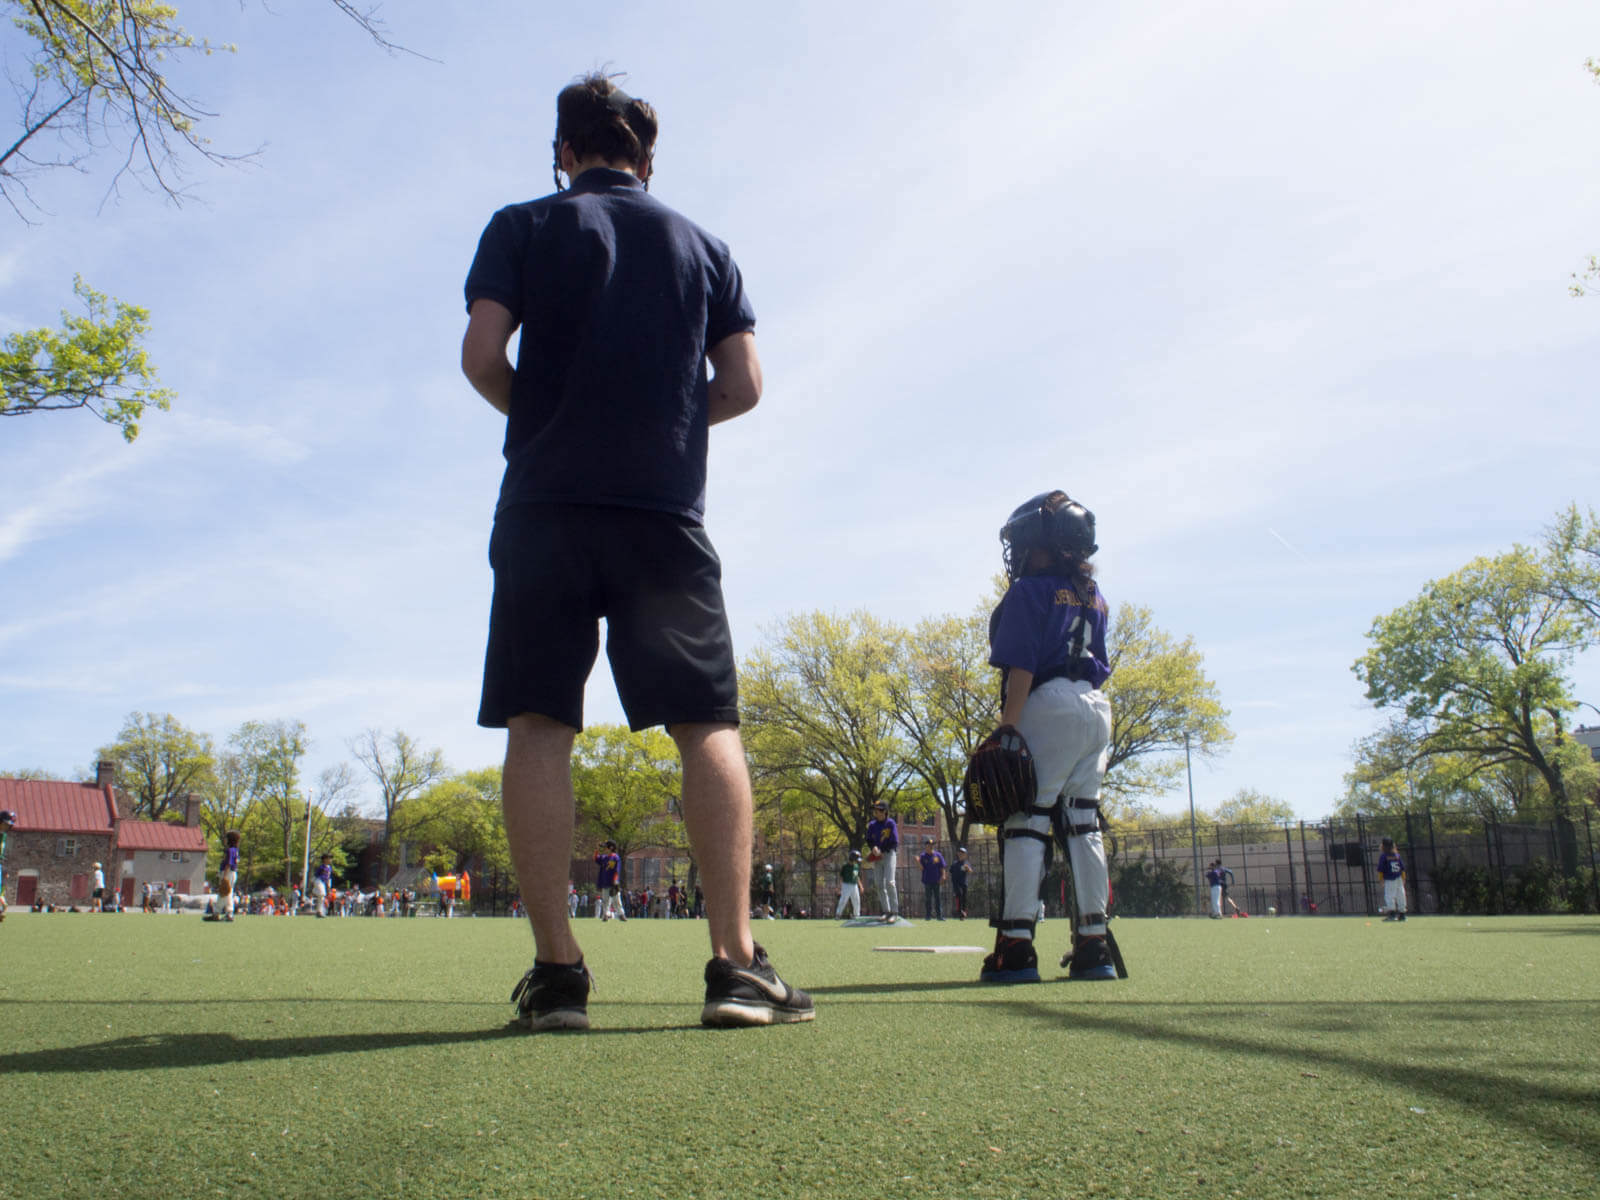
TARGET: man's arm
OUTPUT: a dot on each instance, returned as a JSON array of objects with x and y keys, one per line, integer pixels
[
  {"x": 735, "y": 385},
  {"x": 483, "y": 352}
]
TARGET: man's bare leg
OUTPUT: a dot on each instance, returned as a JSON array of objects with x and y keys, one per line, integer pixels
[
  {"x": 716, "y": 812},
  {"x": 536, "y": 794}
]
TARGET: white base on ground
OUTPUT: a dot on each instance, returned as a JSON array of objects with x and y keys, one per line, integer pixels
[{"x": 935, "y": 949}]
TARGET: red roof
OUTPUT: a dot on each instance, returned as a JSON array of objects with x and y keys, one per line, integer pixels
[
  {"x": 51, "y": 806},
  {"x": 160, "y": 835}
]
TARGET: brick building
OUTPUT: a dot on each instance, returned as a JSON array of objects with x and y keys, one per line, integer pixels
[{"x": 63, "y": 829}]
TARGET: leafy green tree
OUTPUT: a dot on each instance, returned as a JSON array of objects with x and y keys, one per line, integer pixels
[
  {"x": 457, "y": 822},
  {"x": 226, "y": 797},
  {"x": 946, "y": 699},
  {"x": 1249, "y": 810},
  {"x": 1572, "y": 553},
  {"x": 98, "y": 81},
  {"x": 1393, "y": 773},
  {"x": 819, "y": 714},
  {"x": 335, "y": 790},
  {"x": 401, "y": 768},
  {"x": 625, "y": 785},
  {"x": 159, "y": 762},
  {"x": 1479, "y": 660},
  {"x": 96, "y": 361},
  {"x": 791, "y": 821},
  {"x": 1159, "y": 692},
  {"x": 271, "y": 752}
]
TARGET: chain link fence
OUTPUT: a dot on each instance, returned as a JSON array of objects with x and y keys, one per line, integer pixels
[{"x": 1456, "y": 862}]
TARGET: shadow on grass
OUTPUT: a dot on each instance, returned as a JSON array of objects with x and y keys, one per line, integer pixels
[
  {"x": 159, "y": 1051},
  {"x": 1586, "y": 929},
  {"x": 1498, "y": 1097}
]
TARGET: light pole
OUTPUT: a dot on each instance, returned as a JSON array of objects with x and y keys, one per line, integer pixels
[{"x": 1194, "y": 836}]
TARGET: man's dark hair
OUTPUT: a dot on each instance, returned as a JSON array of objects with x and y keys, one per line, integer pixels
[{"x": 598, "y": 119}]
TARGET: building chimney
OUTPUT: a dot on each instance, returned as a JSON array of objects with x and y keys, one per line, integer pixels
[
  {"x": 191, "y": 810},
  {"x": 105, "y": 774}
]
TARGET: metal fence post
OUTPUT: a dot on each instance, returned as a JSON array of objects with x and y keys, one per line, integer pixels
[
  {"x": 1305, "y": 861},
  {"x": 1489, "y": 859},
  {"x": 1594, "y": 874},
  {"x": 1294, "y": 891},
  {"x": 1366, "y": 876}
]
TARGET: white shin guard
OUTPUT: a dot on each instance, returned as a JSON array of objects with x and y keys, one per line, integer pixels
[
  {"x": 1022, "y": 861},
  {"x": 1090, "y": 880}
]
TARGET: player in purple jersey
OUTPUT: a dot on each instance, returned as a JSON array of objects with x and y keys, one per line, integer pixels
[
  {"x": 228, "y": 875},
  {"x": 1048, "y": 637},
  {"x": 933, "y": 873},
  {"x": 608, "y": 882},
  {"x": 1392, "y": 869},
  {"x": 322, "y": 884}
]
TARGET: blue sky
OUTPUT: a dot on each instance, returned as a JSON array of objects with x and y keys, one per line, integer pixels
[{"x": 1278, "y": 291}]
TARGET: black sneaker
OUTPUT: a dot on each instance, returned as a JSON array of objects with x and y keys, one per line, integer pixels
[
  {"x": 1090, "y": 960},
  {"x": 553, "y": 996},
  {"x": 752, "y": 995},
  {"x": 1014, "y": 961}
]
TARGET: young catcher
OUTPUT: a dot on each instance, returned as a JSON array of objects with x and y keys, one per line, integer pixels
[
  {"x": 1039, "y": 773},
  {"x": 620, "y": 301}
]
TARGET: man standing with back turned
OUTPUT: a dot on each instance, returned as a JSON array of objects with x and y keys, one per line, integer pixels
[{"x": 620, "y": 301}]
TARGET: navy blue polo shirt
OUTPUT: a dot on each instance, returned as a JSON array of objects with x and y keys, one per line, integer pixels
[{"x": 618, "y": 298}]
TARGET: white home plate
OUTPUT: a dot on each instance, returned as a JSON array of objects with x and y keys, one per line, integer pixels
[{"x": 934, "y": 949}]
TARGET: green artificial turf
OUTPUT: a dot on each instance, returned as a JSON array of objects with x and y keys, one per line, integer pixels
[{"x": 160, "y": 1056}]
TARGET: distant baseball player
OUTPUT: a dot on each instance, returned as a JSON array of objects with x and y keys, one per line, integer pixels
[
  {"x": 322, "y": 884},
  {"x": 1214, "y": 881},
  {"x": 608, "y": 882},
  {"x": 850, "y": 886},
  {"x": 933, "y": 873},
  {"x": 766, "y": 887},
  {"x": 97, "y": 903},
  {"x": 883, "y": 850},
  {"x": 960, "y": 878},
  {"x": 1048, "y": 637},
  {"x": 228, "y": 874},
  {"x": 1392, "y": 870},
  {"x": 621, "y": 303},
  {"x": 8, "y": 820}
]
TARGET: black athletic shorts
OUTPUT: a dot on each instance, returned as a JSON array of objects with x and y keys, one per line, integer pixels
[{"x": 654, "y": 578}]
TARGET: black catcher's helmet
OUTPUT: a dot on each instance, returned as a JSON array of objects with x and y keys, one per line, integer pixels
[
  {"x": 1048, "y": 521},
  {"x": 7, "y": 817}
]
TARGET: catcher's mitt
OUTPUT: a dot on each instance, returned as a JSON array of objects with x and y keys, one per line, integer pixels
[{"x": 1000, "y": 780}]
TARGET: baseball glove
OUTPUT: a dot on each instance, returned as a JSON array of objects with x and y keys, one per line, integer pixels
[{"x": 1000, "y": 779}]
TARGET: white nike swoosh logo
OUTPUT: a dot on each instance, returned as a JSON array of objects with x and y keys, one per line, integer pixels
[{"x": 778, "y": 992}]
